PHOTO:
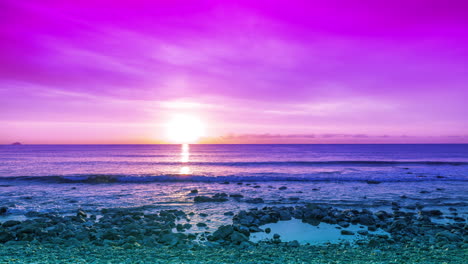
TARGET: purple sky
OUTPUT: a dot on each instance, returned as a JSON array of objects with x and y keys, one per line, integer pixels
[{"x": 263, "y": 72}]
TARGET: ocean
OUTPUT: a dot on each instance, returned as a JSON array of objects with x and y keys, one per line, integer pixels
[{"x": 62, "y": 178}]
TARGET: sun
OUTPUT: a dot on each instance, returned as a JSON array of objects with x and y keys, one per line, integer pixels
[{"x": 184, "y": 129}]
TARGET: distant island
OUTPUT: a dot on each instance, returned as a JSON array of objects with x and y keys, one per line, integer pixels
[{"x": 17, "y": 143}]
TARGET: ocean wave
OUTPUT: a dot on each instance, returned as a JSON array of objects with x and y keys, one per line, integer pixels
[
  {"x": 318, "y": 177},
  {"x": 355, "y": 163}
]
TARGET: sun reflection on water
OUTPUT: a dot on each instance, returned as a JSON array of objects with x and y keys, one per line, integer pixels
[
  {"x": 185, "y": 170},
  {"x": 184, "y": 158}
]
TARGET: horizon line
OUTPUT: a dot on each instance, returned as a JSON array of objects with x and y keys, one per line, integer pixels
[{"x": 119, "y": 144}]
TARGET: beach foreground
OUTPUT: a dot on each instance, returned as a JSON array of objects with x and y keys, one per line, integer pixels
[
  {"x": 234, "y": 204},
  {"x": 129, "y": 235},
  {"x": 262, "y": 253}
]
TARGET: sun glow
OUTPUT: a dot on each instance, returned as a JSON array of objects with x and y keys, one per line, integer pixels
[{"x": 185, "y": 129}]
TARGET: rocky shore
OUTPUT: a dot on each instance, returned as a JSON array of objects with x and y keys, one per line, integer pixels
[{"x": 131, "y": 235}]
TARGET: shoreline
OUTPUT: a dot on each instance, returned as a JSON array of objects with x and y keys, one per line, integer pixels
[{"x": 127, "y": 231}]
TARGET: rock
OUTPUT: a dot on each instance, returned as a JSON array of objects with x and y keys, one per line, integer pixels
[
  {"x": 383, "y": 236},
  {"x": 237, "y": 238},
  {"x": 316, "y": 213},
  {"x": 6, "y": 236},
  {"x": 203, "y": 214},
  {"x": 255, "y": 229},
  {"x": 449, "y": 236},
  {"x": 366, "y": 220},
  {"x": 109, "y": 235},
  {"x": 169, "y": 239},
  {"x": 265, "y": 219},
  {"x": 382, "y": 215},
  {"x": 201, "y": 224},
  {"x": 293, "y": 243},
  {"x": 312, "y": 221},
  {"x": 10, "y": 223},
  {"x": 276, "y": 236},
  {"x": 363, "y": 232},
  {"x": 229, "y": 213},
  {"x": 459, "y": 219},
  {"x": 245, "y": 245},
  {"x": 236, "y": 195},
  {"x": 343, "y": 224},
  {"x": 194, "y": 191},
  {"x": 373, "y": 182},
  {"x": 247, "y": 220},
  {"x": 329, "y": 220},
  {"x": 223, "y": 232},
  {"x": 3, "y": 210},
  {"x": 180, "y": 227},
  {"x": 81, "y": 213},
  {"x": 297, "y": 213},
  {"x": 244, "y": 230},
  {"x": 285, "y": 215},
  {"x": 202, "y": 199},
  {"x": 282, "y": 188},
  {"x": 397, "y": 225},
  {"x": 347, "y": 232},
  {"x": 267, "y": 230},
  {"x": 205, "y": 199},
  {"x": 432, "y": 212},
  {"x": 256, "y": 186},
  {"x": 254, "y": 200}
]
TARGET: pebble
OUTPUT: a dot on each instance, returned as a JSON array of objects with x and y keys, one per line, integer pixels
[
  {"x": 347, "y": 232},
  {"x": 3, "y": 210}
]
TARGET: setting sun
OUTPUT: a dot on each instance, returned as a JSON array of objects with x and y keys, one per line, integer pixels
[{"x": 184, "y": 129}]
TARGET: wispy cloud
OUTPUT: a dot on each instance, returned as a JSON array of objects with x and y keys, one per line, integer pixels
[{"x": 248, "y": 67}]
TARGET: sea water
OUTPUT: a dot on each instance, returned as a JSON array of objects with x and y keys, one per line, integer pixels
[{"x": 62, "y": 178}]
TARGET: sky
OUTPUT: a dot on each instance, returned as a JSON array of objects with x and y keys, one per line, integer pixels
[{"x": 115, "y": 72}]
